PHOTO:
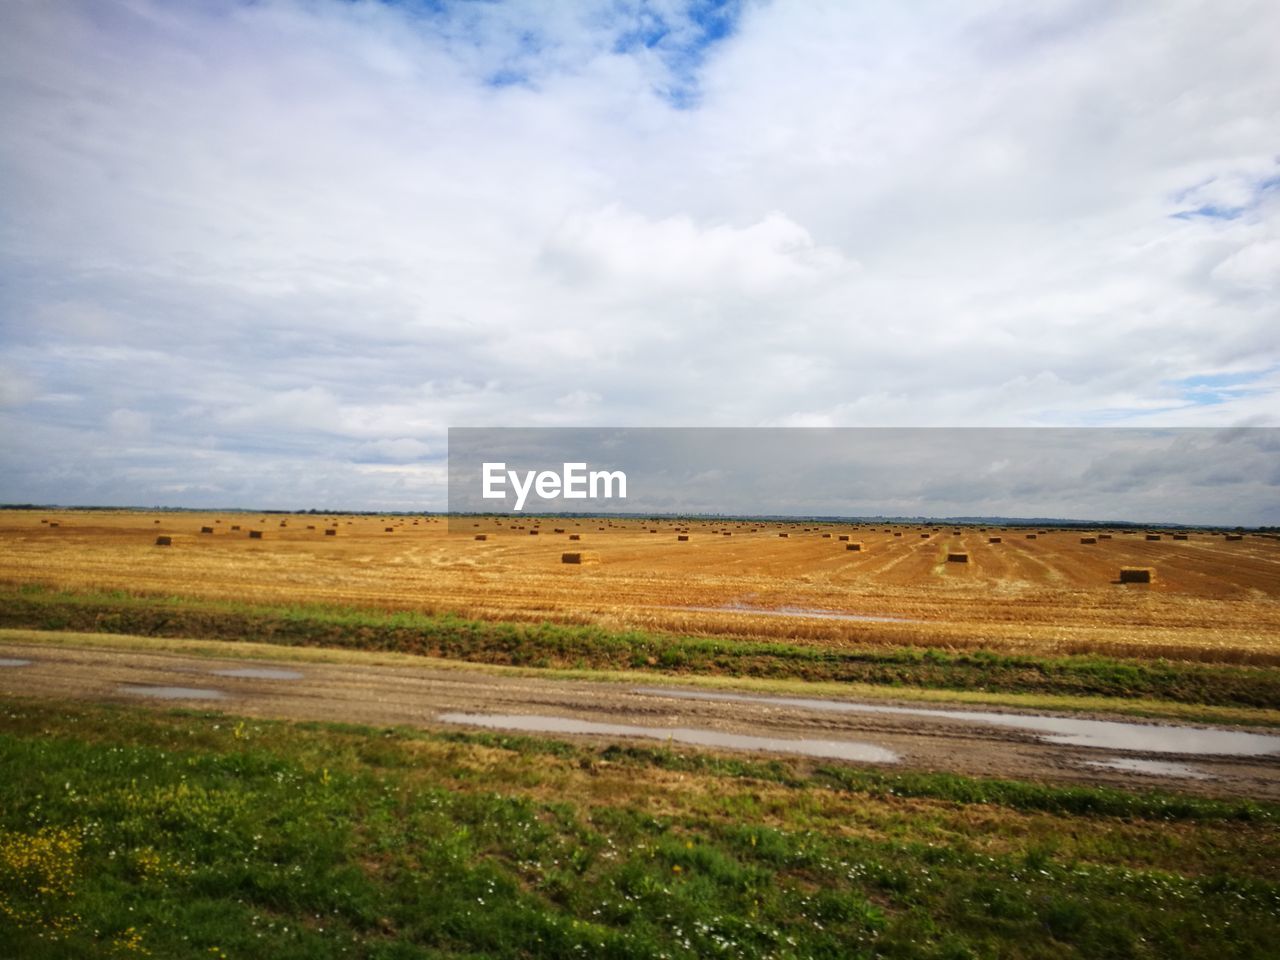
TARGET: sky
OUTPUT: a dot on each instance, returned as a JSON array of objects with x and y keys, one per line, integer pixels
[{"x": 265, "y": 254}]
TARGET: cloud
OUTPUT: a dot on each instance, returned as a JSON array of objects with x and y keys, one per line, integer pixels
[
  {"x": 635, "y": 256},
  {"x": 126, "y": 424},
  {"x": 285, "y": 233}
]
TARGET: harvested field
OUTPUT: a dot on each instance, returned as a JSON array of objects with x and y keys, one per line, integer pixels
[{"x": 1212, "y": 600}]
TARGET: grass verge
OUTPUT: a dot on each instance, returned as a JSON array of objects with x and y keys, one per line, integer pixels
[
  {"x": 583, "y": 647},
  {"x": 126, "y": 831}
]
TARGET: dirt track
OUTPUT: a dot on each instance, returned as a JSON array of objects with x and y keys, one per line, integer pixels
[{"x": 412, "y": 696}]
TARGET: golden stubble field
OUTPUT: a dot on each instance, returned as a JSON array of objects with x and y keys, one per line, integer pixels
[{"x": 1213, "y": 599}]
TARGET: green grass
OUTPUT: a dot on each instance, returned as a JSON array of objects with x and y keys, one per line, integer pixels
[
  {"x": 182, "y": 834},
  {"x": 585, "y": 647}
]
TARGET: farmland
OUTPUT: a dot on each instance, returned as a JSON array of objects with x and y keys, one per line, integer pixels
[
  {"x": 1213, "y": 600},
  {"x": 336, "y": 812}
]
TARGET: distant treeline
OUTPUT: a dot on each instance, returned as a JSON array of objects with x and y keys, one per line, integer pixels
[{"x": 674, "y": 517}]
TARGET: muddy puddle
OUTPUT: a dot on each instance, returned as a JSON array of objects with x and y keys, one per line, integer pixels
[
  {"x": 13, "y": 662},
  {"x": 1103, "y": 734},
  {"x": 1158, "y": 768},
  {"x": 173, "y": 693},
  {"x": 259, "y": 673},
  {"x": 830, "y": 749},
  {"x": 807, "y": 612}
]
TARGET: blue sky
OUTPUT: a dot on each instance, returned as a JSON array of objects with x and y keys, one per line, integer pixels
[{"x": 267, "y": 253}]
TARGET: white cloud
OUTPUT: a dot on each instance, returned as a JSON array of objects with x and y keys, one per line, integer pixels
[
  {"x": 128, "y": 423},
  {"x": 319, "y": 232},
  {"x": 631, "y": 255}
]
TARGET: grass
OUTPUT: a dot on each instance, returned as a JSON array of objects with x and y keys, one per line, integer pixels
[
  {"x": 127, "y": 831},
  {"x": 594, "y": 648}
]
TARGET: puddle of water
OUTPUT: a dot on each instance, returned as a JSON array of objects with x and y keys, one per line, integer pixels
[
  {"x": 173, "y": 693},
  {"x": 13, "y": 662},
  {"x": 260, "y": 673},
  {"x": 807, "y": 612},
  {"x": 1104, "y": 734},
  {"x": 1158, "y": 768},
  {"x": 832, "y": 749}
]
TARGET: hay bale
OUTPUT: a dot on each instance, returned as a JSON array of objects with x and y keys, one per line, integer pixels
[
  {"x": 1088, "y": 539},
  {"x": 153, "y": 521},
  {"x": 1180, "y": 536},
  {"x": 54, "y": 523},
  {"x": 331, "y": 533},
  {"x": 533, "y": 533},
  {"x": 579, "y": 557},
  {"x": 1153, "y": 536},
  {"x": 164, "y": 541},
  {"x": 1137, "y": 575},
  {"x": 924, "y": 536},
  {"x": 1031, "y": 536},
  {"x": 957, "y": 556},
  {"x": 727, "y": 533},
  {"x": 389, "y": 530},
  {"x": 206, "y": 529},
  {"x": 995, "y": 540},
  {"x": 575, "y": 536},
  {"x": 235, "y": 526},
  {"x": 558, "y": 530},
  {"x": 1104, "y": 536},
  {"x": 682, "y": 537},
  {"x": 784, "y": 535},
  {"x": 844, "y": 537},
  {"x": 855, "y": 545},
  {"x": 1230, "y": 536},
  {"x": 898, "y": 533},
  {"x": 255, "y": 534},
  {"x": 482, "y": 536},
  {"x": 826, "y": 536}
]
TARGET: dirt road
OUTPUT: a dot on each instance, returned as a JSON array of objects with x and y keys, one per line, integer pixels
[{"x": 899, "y": 736}]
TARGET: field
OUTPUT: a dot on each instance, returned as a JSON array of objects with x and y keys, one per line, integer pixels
[
  {"x": 1213, "y": 600},
  {"x": 302, "y": 824}
]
